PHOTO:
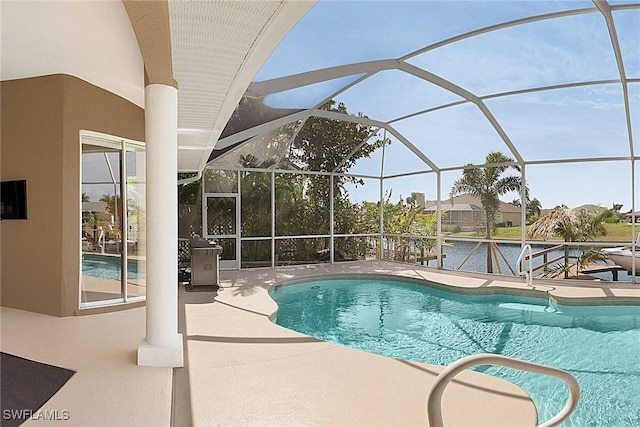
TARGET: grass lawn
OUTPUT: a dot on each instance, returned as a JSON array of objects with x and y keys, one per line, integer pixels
[{"x": 619, "y": 232}]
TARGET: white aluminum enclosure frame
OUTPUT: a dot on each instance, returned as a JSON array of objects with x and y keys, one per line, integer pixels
[{"x": 365, "y": 70}]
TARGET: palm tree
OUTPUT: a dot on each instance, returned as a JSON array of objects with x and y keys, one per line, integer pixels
[
  {"x": 487, "y": 184},
  {"x": 534, "y": 209}
]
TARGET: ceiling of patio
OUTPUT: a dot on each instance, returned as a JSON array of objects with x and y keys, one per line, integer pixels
[
  {"x": 217, "y": 47},
  {"x": 544, "y": 81},
  {"x": 447, "y": 82}
]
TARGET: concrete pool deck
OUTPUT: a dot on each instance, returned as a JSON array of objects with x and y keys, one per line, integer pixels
[{"x": 243, "y": 370}]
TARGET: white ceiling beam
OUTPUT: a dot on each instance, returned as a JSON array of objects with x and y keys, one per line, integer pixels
[
  {"x": 266, "y": 87},
  {"x": 451, "y": 87},
  {"x": 262, "y": 128},
  {"x": 375, "y": 123},
  {"x": 496, "y": 27},
  {"x": 509, "y": 93},
  {"x": 300, "y": 115},
  {"x": 303, "y": 115},
  {"x": 355, "y": 150},
  {"x": 605, "y": 9},
  {"x": 415, "y": 150}
]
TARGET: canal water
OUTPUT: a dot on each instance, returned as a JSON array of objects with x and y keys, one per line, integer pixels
[{"x": 456, "y": 254}]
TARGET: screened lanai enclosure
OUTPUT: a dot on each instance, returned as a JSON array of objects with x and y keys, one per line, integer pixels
[{"x": 448, "y": 134}]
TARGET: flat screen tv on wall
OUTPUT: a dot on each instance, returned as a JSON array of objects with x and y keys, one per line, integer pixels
[{"x": 14, "y": 199}]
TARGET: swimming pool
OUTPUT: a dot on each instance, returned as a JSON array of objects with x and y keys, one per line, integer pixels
[
  {"x": 108, "y": 267},
  {"x": 598, "y": 345}
]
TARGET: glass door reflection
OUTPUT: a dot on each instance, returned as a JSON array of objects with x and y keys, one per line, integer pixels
[{"x": 113, "y": 230}]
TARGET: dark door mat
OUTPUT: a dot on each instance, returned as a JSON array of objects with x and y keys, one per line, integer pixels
[{"x": 26, "y": 385}]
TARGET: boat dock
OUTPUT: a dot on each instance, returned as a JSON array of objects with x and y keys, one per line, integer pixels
[{"x": 590, "y": 269}]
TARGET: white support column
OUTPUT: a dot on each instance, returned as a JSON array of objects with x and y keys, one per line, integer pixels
[
  {"x": 162, "y": 345},
  {"x": 273, "y": 219},
  {"x": 381, "y": 198},
  {"x": 633, "y": 221},
  {"x": 523, "y": 206},
  {"x": 332, "y": 243},
  {"x": 439, "y": 223}
]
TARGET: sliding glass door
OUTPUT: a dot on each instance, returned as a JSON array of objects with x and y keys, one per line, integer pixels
[{"x": 113, "y": 220}]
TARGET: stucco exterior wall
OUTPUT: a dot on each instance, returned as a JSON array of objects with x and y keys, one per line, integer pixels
[{"x": 41, "y": 120}]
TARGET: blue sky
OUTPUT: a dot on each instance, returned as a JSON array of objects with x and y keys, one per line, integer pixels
[{"x": 579, "y": 122}]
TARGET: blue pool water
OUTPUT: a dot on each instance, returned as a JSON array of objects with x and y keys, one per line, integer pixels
[
  {"x": 108, "y": 267},
  {"x": 599, "y": 346}
]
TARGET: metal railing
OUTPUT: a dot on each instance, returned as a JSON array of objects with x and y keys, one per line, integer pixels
[
  {"x": 528, "y": 275},
  {"x": 102, "y": 240},
  {"x": 434, "y": 397}
]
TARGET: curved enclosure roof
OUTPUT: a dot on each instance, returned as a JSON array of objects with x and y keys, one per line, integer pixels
[{"x": 545, "y": 82}]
